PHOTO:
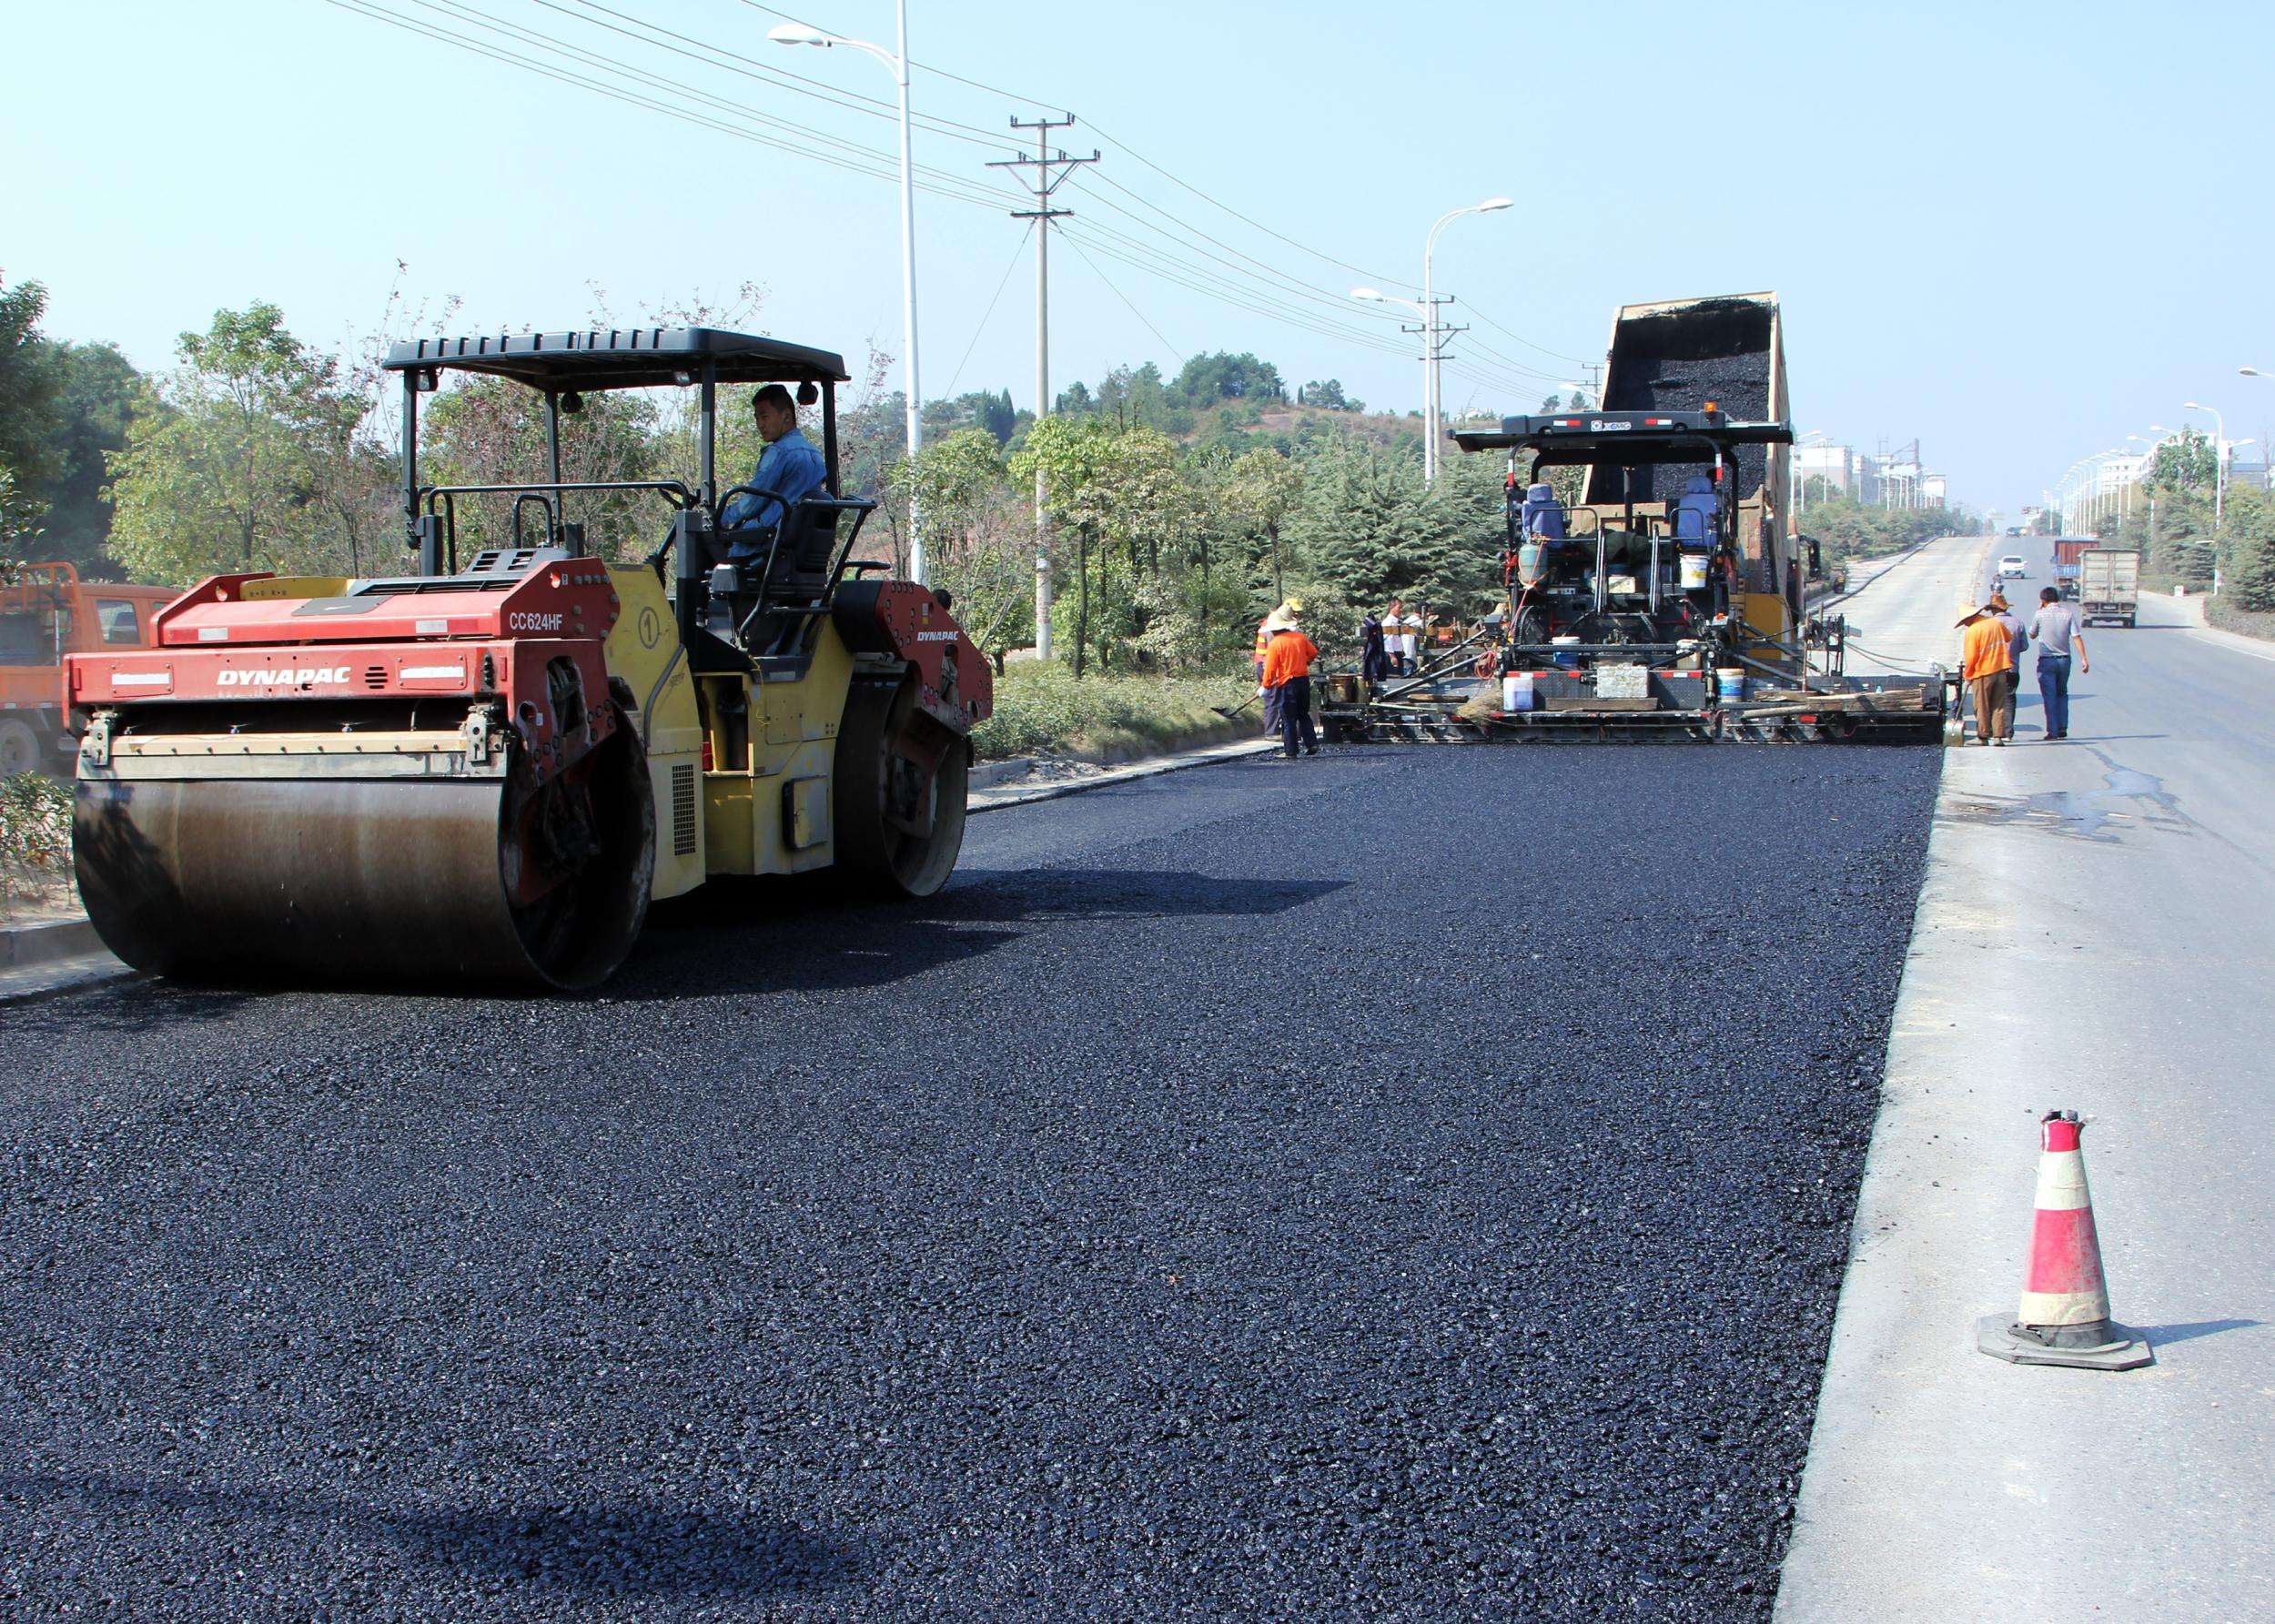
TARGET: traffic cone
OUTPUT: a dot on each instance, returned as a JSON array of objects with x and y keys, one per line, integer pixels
[{"x": 2064, "y": 1318}]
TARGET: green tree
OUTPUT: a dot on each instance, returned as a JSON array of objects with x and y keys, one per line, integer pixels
[
  {"x": 19, "y": 525},
  {"x": 226, "y": 465},
  {"x": 98, "y": 392},
  {"x": 1368, "y": 529},
  {"x": 1206, "y": 379},
  {"x": 27, "y": 389},
  {"x": 979, "y": 535},
  {"x": 1255, "y": 493},
  {"x": 1120, "y": 492},
  {"x": 487, "y": 431},
  {"x": 2248, "y": 547}
]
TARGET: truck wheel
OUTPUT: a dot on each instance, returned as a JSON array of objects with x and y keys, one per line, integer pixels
[{"x": 19, "y": 747}]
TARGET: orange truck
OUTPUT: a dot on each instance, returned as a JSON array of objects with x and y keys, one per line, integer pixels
[{"x": 46, "y": 611}]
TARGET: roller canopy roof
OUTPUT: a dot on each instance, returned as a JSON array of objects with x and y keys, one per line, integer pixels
[{"x": 620, "y": 358}]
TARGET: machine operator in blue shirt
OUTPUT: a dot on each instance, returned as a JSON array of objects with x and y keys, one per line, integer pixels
[{"x": 789, "y": 470}]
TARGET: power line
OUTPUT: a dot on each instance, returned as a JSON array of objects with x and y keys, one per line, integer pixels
[
  {"x": 1272, "y": 293},
  {"x": 1286, "y": 316},
  {"x": 799, "y": 84},
  {"x": 959, "y": 190},
  {"x": 1226, "y": 208},
  {"x": 1173, "y": 348},
  {"x": 1133, "y": 151},
  {"x": 958, "y": 374},
  {"x": 1528, "y": 343}
]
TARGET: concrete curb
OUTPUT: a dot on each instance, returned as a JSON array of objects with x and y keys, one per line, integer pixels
[
  {"x": 986, "y": 774},
  {"x": 1151, "y": 767},
  {"x": 23, "y": 945},
  {"x": 2203, "y": 630},
  {"x": 58, "y": 955}
]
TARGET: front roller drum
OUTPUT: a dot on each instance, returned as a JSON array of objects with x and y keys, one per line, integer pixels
[{"x": 431, "y": 883}]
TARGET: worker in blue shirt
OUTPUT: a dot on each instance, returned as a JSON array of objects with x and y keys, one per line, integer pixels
[{"x": 789, "y": 470}]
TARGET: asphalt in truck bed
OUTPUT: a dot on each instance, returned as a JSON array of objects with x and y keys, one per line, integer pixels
[{"x": 1412, "y": 1182}]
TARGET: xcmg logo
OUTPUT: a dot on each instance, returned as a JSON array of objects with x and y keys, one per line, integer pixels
[{"x": 286, "y": 676}]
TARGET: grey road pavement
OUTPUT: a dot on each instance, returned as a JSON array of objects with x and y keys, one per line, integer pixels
[
  {"x": 2097, "y": 932},
  {"x": 1412, "y": 1183}
]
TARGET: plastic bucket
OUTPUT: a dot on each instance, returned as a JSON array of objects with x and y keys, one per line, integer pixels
[
  {"x": 1516, "y": 690},
  {"x": 1730, "y": 683},
  {"x": 1567, "y": 651},
  {"x": 1693, "y": 577}
]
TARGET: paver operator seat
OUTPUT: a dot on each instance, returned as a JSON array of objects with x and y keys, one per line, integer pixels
[
  {"x": 1697, "y": 512},
  {"x": 1541, "y": 519}
]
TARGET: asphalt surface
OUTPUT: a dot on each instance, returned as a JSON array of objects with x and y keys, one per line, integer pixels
[
  {"x": 2092, "y": 936},
  {"x": 1410, "y": 1183}
]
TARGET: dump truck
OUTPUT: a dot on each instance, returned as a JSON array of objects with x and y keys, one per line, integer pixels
[
  {"x": 1668, "y": 599},
  {"x": 481, "y": 773},
  {"x": 2108, "y": 586},
  {"x": 2067, "y": 550},
  {"x": 47, "y": 614}
]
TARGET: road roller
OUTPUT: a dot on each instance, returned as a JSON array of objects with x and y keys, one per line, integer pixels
[{"x": 482, "y": 772}]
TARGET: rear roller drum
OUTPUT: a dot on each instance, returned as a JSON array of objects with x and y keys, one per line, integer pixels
[{"x": 902, "y": 779}]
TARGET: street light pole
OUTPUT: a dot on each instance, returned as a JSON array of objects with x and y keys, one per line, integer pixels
[
  {"x": 1432, "y": 409},
  {"x": 799, "y": 34}
]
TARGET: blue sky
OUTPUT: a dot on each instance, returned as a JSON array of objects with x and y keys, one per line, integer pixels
[{"x": 2018, "y": 231}]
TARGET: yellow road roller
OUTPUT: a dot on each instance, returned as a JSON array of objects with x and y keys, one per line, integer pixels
[{"x": 482, "y": 772}]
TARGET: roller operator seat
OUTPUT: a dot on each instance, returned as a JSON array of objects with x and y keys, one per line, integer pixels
[{"x": 1697, "y": 512}]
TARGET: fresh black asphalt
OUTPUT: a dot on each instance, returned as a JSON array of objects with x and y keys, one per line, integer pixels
[{"x": 1412, "y": 1182}]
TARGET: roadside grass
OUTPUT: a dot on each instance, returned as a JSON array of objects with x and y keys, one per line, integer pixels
[
  {"x": 1042, "y": 710},
  {"x": 35, "y": 844},
  {"x": 2229, "y": 616}
]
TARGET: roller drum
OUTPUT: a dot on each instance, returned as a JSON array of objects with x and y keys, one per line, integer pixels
[{"x": 358, "y": 881}]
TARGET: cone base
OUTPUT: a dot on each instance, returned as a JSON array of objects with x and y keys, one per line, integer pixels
[{"x": 1997, "y": 1335}]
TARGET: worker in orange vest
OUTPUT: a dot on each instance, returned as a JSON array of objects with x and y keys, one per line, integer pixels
[
  {"x": 1987, "y": 664},
  {"x": 1287, "y": 674},
  {"x": 1285, "y": 615}
]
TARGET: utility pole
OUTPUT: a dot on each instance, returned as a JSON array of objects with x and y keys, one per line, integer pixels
[
  {"x": 1435, "y": 334},
  {"x": 1043, "y": 175}
]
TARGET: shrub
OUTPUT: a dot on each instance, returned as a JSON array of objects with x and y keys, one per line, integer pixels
[
  {"x": 34, "y": 840},
  {"x": 1043, "y": 709}
]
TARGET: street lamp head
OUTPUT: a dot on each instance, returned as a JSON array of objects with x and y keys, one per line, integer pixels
[
  {"x": 1493, "y": 203},
  {"x": 2251, "y": 372},
  {"x": 797, "y": 34},
  {"x": 1366, "y": 293},
  {"x": 2192, "y": 405}
]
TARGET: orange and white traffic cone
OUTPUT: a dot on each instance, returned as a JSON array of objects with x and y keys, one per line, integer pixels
[{"x": 2064, "y": 1318}]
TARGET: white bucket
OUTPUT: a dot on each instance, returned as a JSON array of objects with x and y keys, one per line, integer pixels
[
  {"x": 1694, "y": 573},
  {"x": 1516, "y": 690},
  {"x": 1730, "y": 683}
]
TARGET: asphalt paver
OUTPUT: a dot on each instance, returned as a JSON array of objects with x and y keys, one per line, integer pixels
[{"x": 1408, "y": 1182}]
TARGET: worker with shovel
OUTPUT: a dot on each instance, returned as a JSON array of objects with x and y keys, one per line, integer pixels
[
  {"x": 1287, "y": 676},
  {"x": 1986, "y": 662}
]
